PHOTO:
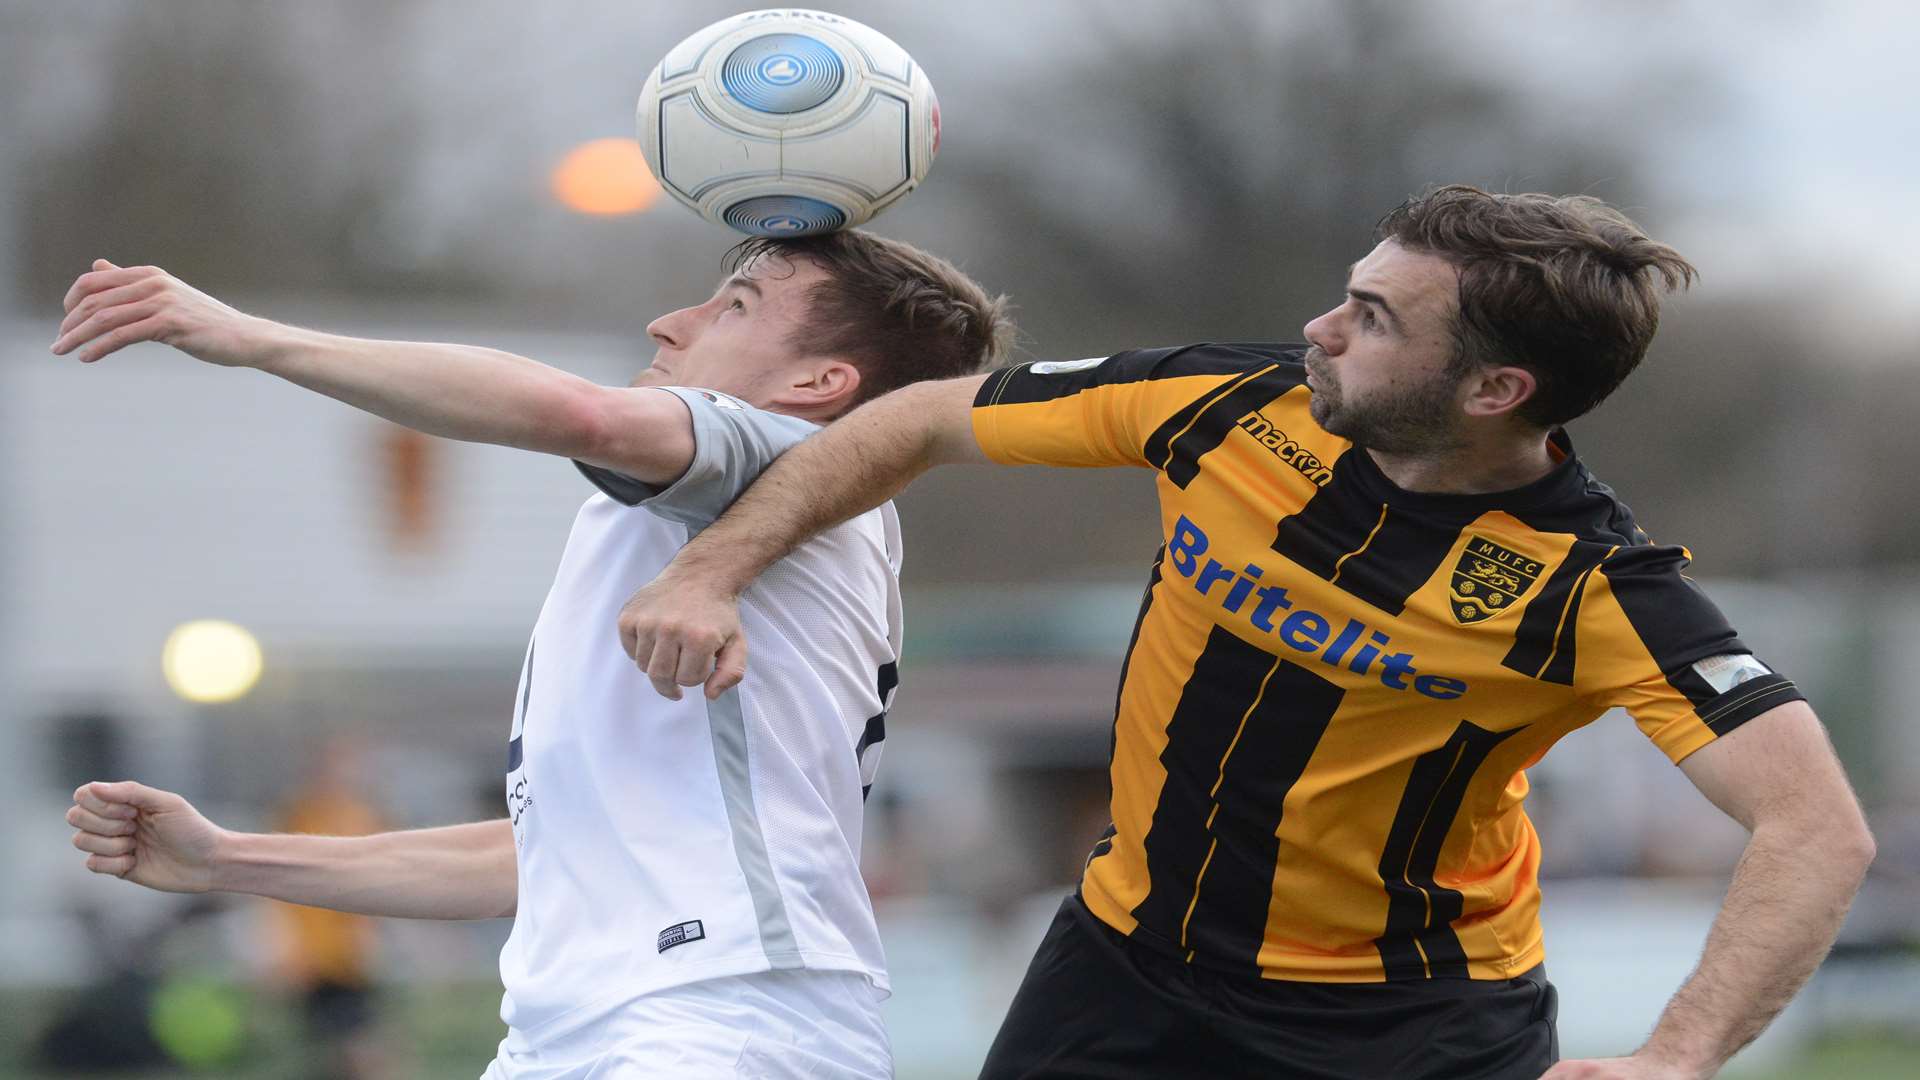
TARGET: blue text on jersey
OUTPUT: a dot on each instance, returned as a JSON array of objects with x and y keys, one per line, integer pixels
[{"x": 1303, "y": 631}]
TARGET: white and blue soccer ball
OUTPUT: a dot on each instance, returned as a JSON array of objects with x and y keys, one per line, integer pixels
[{"x": 788, "y": 122}]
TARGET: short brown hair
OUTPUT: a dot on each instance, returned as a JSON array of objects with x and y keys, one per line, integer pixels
[
  {"x": 1565, "y": 286},
  {"x": 896, "y": 312}
]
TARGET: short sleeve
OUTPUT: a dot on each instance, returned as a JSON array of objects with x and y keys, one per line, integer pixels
[
  {"x": 1652, "y": 642},
  {"x": 1121, "y": 410},
  {"x": 733, "y": 443}
]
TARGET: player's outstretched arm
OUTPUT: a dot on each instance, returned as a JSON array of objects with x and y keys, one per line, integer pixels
[
  {"x": 1777, "y": 775},
  {"x": 684, "y": 628},
  {"x": 157, "y": 839},
  {"x": 456, "y": 391}
]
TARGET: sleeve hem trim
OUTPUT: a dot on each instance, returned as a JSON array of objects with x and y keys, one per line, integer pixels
[{"x": 1749, "y": 700}]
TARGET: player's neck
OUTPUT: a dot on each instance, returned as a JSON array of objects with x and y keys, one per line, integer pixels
[
  {"x": 821, "y": 415},
  {"x": 1476, "y": 468}
]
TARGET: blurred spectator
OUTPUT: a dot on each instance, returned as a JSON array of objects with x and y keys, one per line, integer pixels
[{"x": 327, "y": 956}]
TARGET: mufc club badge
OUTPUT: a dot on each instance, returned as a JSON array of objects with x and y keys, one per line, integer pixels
[{"x": 1489, "y": 579}]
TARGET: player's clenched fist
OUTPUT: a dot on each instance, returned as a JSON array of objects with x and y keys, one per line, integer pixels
[
  {"x": 148, "y": 836},
  {"x": 111, "y": 307},
  {"x": 682, "y": 634}
]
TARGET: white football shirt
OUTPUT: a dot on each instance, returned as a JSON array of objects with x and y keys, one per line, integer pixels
[{"x": 662, "y": 842}]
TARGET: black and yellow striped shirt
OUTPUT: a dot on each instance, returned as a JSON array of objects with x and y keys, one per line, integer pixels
[{"x": 1335, "y": 685}]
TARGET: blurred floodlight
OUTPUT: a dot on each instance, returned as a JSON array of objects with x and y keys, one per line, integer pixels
[
  {"x": 605, "y": 176},
  {"x": 211, "y": 661}
]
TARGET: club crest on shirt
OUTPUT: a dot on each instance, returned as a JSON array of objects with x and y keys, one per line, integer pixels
[{"x": 1489, "y": 579}]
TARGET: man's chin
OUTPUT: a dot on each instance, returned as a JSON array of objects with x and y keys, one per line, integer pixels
[{"x": 1341, "y": 425}]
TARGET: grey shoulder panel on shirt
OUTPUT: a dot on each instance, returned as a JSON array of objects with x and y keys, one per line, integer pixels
[
  {"x": 733, "y": 443},
  {"x": 617, "y": 486}
]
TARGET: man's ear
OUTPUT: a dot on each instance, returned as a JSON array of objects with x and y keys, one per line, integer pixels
[
  {"x": 1498, "y": 391},
  {"x": 824, "y": 386}
]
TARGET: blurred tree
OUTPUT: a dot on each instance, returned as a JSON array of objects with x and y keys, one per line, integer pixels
[
  {"x": 239, "y": 146},
  {"x": 1208, "y": 175},
  {"x": 1188, "y": 171},
  {"x": 1219, "y": 167}
]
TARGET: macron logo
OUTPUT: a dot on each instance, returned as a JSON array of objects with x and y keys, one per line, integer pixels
[{"x": 1286, "y": 449}]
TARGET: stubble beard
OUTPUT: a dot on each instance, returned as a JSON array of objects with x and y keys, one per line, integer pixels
[{"x": 1416, "y": 420}]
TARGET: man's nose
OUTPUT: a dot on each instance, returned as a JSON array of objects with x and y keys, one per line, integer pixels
[
  {"x": 1324, "y": 332},
  {"x": 671, "y": 329}
]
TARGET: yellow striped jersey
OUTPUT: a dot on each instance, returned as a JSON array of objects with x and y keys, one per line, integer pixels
[{"x": 1335, "y": 685}]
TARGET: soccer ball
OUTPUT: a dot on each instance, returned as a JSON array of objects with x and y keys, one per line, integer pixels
[{"x": 788, "y": 122}]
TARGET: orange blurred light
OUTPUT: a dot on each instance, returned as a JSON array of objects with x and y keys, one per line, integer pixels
[{"x": 605, "y": 176}]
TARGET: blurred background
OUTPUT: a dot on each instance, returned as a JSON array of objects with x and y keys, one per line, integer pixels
[{"x": 1139, "y": 174}]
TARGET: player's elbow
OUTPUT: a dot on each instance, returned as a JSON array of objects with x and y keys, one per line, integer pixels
[
  {"x": 1836, "y": 834},
  {"x": 1849, "y": 851},
  {"x": 1848, "y": 838},
  {"x": 1856, "y": 844}
]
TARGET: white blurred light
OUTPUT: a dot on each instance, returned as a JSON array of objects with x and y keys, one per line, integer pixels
[{"x": 210, "y": 661}]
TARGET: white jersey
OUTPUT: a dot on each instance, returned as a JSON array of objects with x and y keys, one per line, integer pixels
[{"x": 661, "y": 842}]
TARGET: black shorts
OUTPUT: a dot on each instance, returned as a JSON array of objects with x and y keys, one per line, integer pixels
[{"x": 1095, "y": 1004}]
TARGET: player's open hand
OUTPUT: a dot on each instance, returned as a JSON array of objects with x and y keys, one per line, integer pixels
[
  {"x": 111, "y": 307},
  {"x": 1621, "y": 1068},
  {"x": 681, "y": 634},
  {"x": 148, "y": 836}
]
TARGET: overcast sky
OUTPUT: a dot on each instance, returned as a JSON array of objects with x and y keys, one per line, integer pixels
[
  {"x": 1815, "y": 156},
  {"x": 1807, "y": 158}
]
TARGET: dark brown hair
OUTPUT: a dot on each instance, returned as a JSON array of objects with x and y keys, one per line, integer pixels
[
  {"x": 895, "y": 312},
  {"x": 1565, "y": 286}
]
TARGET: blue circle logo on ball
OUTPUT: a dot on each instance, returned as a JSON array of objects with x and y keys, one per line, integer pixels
[
  {"x": 781, "y": 69},
  {"x": 782, "y": 73},
  {"x": 783, "y": 215}
]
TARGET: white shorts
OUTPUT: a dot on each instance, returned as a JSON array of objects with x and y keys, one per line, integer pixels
[{"x": 777, "y": 1025}]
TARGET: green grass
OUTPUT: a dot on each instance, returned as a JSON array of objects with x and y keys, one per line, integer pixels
[
  {"x": 1864, "y": 1055},
  {"x": 448, "y": 1032},
  {"x": 432, "y": 1032}
]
